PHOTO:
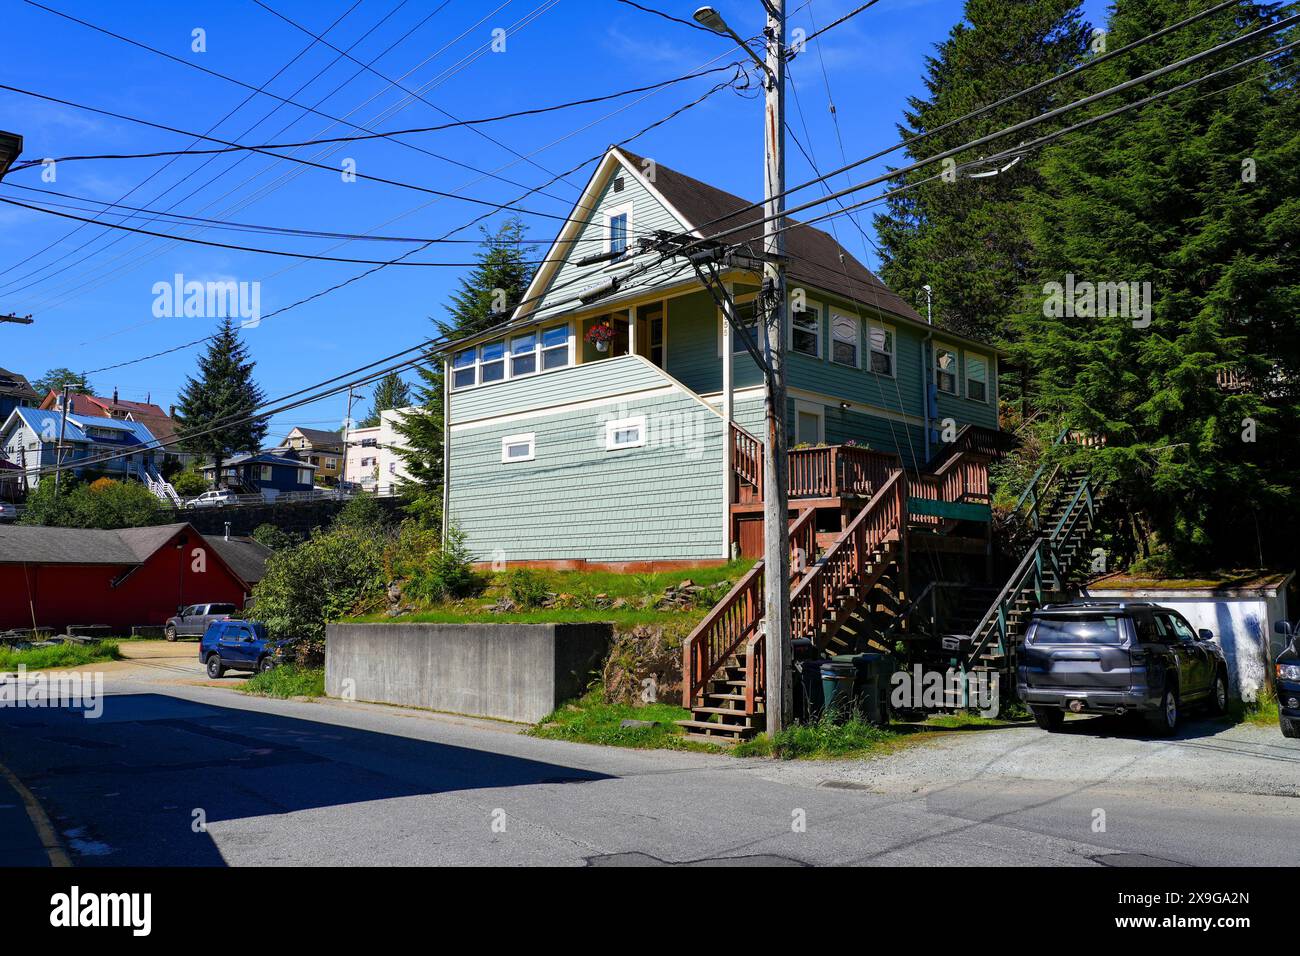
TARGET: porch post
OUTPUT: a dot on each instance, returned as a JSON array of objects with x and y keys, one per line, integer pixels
[
  {"x": 728, "y": 415},
  {"x": 631, "y": 331}
]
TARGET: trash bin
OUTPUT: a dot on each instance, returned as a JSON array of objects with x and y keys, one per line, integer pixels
[
  {"x": 870, "y": 694},
  {"x": 809, "y": 699},
  {"x": 838, "y": 682}
]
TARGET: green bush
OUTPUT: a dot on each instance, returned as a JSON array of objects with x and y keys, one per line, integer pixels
[
  {"x": 190, "y": 484},
  {"x": 287, "y": 680},
  {"x": 273, "y": 537},
  {"x": 434, "y": 571},
  {"x": 527, "y": 589},
  {"x": 331, "y": 574},
  {"x": 363, "y": 511},
  {"x": 104, "y": 503}
]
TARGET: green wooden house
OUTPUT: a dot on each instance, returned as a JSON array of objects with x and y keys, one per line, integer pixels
[{"x": 641, "y": 450}]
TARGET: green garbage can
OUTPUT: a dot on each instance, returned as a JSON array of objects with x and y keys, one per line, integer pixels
[
  {"x": 870, "y": 696},
  {"x": 838, "y": 682}
]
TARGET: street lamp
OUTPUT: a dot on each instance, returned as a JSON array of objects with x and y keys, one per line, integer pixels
[{"x": 711, "y": 19}]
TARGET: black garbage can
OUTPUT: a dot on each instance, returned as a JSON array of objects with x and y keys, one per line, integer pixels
[
  {"x": 809, "y": 701},
  {"x": 838, "y": 682},
  {"x": 870, "y": 694}
]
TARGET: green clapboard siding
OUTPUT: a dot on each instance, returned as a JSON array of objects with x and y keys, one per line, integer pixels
[
  {"x": 662, "y": 501},
  {"x": 578, "y": 383}
]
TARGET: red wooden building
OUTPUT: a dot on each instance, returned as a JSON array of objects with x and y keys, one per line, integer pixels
[{"x": 55, "y": 577}]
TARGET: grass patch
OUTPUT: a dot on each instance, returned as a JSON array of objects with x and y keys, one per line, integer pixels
[
  {"x": 590, "y": 720},
  {"x": 59, "y": 655},
  {"x": 287, "y": 681},
  {"x": 965, "y": 718},
  {"x": 853, "y": 738},
  {"x": 1263, "y": 712}
]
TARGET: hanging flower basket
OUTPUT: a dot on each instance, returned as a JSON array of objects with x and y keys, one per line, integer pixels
[{"x": 600, "y": 335}]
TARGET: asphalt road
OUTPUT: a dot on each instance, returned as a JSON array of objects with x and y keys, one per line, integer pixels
[{"x": 175, "y": 772}]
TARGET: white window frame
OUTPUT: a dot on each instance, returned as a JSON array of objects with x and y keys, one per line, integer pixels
[
  {"x": 956, "y": 372},
  {"x": 988, "y": 386},
  {"x": 893, "y": 353},
  {"x": 810, "y": 408},
  {"x": 537, "y": 331},
  {"x": 857, "y": 344},
  {"x": 624, "y": 209},
  {"x": 511, "y": 354},
  {"x": 816, "y": 308},
  {"x": 612, "y": 428},
  {"x": 305, "y": 476},
  {"x": 543, "y": 349},
  {"x": 524, "y": 438},
  {"x": 265, "y": 473}
]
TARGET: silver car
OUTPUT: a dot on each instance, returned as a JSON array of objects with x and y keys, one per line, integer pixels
[{"x": 192, "y": 621}]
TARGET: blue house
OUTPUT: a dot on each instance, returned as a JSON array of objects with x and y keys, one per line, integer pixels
[
  {"x": 267, "y": 473},
  {"x": 91, "y": 446}
]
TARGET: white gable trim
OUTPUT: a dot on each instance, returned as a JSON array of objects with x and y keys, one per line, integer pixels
[{"x": 581, "y": 215}]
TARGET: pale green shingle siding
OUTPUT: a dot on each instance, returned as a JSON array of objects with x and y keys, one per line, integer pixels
[
  {"x": 577, "y": 383},
  {"x": 662, "y": 501}
]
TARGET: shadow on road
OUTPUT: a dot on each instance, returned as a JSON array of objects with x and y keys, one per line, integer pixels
[{"x": 130, "y": 787}]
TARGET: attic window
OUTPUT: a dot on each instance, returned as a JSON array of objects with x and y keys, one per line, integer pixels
[{"x": 618, "y": 184}]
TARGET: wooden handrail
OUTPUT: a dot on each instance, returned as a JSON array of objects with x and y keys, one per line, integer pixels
[
  {"x": 735, "y": 618},
  {"x": 844, "y": 564},
  {"x": 747, "y": 458}
]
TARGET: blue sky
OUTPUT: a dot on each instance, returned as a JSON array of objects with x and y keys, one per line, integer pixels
[{"x": 94, "y": 304}]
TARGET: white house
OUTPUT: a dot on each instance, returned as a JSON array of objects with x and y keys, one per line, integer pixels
[
  {"x": 373, "y": 458},
  {"x": 1241, "y": 611}
]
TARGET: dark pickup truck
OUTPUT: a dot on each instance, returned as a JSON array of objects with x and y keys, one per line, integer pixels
[{"x": 1118, "y": 657}]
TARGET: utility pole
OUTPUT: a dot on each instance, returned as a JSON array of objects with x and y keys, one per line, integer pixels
[
  {"x": 17, "y": 319},
  {"x": 63, "y": 427},
  {"x": 774, "y": 311},
  {"x": 347, "y": 421},
  {"x": 776, "y": 510}
]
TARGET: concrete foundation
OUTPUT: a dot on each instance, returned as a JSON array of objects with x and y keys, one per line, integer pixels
[{"x": 518, "y": 672}]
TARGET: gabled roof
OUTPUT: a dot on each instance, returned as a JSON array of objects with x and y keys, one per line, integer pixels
[
  {"x": 34, "y": 544},
  {"x": 47, "y": 422},
  {"x": 13, "y": 385},
  {"x": 260, "y": 458},
  {"x": 815, "y": 257},
  {"x": 317, "y": 436},
  {"x": 148, "y": 414}
]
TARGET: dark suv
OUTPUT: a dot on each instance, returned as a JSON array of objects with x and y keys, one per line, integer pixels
[
  {"x": 1117, "y": 657},
  {"x": 1288, "y": 679}
]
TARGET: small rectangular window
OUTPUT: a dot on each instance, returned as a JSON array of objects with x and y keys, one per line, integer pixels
[
  {"x": 977, "y": 387},
  {"x": 492, "y": 361},
  {"x": 518, "y": 447},
  {"x": 844, "y": 339},
  {"x": 625, "y": 433},
  {"x": 555, "y": 347},
  {"x": 618, "y": 232},
  {"x": 882, "y": 349},
  {"x": 464, "y": 368},
  {"x": 945, "y": 370},
  {"x": 806, "y": 331},
  {"x": 523, "y": 354}
]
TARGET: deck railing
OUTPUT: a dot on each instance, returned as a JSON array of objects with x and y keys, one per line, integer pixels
[
  {"x": 828, "y": 471},
  {"x": 747, "y": 459}
]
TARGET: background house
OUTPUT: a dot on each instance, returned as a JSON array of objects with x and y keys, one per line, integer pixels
[
  {"x": 374, "y": 461},
  {"x": 160, "y": 424},
  {"x": 15, "y": 392},
  {"x": 264, "y": 472},
  {"x": 30, "y": 439},
  {"x": 323, "y": 449},
  {"x": 54, "y": 577}
]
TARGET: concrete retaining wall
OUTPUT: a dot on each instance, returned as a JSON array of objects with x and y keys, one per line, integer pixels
[{"x": 510, "y": 671}]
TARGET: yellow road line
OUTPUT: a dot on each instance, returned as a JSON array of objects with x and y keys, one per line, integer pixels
[{"x": 40, "y": 820}]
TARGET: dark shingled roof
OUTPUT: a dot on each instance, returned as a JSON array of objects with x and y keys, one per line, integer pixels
[
  {"x": 814, "y": 256},
  {"x": 317, "y": 436},
  {"x": 23, "y": 544},
  {"x": 16, "y": 386}
]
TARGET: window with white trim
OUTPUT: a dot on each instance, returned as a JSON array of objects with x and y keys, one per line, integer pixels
[
  {"x": 747, "y": 318},
  {"x": 806, "y": 330},
  {"x": 977, "y": 378},
  {"x": 523, "y": 354},
  {"x": 304, "y": 476},
  {"x": 945, "y": 370},
  {"x": 518, "y": 447},
  {"x": 265, "y": 473},
  {"x": 619, "y": 225},
  {"x": 880, "y": 339},
  {"x": 844, "y": 339},
  {"x": 625, "y": 433},
  {"x": 555, "y": 347}
]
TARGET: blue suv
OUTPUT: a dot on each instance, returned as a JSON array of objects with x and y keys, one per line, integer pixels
[{"x": 238, "y": 646}]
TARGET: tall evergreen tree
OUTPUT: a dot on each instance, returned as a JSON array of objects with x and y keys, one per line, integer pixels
[
  {"x": 390, "y": 392},
  {"x": 963, "y": 237},
  {"x": 1198, "y": 195},
  {"x": 497, "y": 282},
  {"x": 220, "y": 396},
  {"x": 56, "y": 378}
]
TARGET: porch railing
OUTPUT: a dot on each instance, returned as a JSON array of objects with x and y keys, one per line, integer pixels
[{"x": 826, "y": 472}]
